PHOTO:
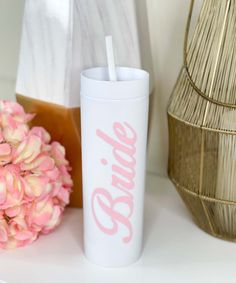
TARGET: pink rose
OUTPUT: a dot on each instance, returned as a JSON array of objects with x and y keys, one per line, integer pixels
[
  {"x": 15, "y": 111},
  {"x": 44, "y": 216},
  {"x": 19, "y": 233},
  {"x": 35, "y": 183}
]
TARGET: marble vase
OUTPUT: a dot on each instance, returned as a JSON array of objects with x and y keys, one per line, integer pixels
[{"x": 59, "y": 39}]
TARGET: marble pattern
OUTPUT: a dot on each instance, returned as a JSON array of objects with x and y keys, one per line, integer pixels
[{"x": 60, "y": 38}]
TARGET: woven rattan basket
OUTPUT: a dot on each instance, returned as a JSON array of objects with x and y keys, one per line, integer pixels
[{"x": 202, "y": 120}]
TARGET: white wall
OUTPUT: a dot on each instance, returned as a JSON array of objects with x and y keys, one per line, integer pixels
[
  {"x": 166, "y": 19},
  {"x": 167, "y": 22},
  {"x": 10, "y": 28}
]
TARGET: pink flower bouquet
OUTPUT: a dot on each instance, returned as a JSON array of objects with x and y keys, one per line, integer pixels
[{"x": 35, "y": 183}]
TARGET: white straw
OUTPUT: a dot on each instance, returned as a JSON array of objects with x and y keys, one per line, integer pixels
[{"x": 110, "y": 59}]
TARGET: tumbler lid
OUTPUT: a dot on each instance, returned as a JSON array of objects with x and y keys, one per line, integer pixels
[{"x": 131, "y": 83}]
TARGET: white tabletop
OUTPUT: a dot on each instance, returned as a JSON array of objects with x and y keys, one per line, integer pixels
[{"x": 175, "y": 250}]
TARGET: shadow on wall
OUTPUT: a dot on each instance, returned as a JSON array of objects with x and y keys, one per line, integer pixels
[
  {"x": 166, "y": 21},
  {"x": 145, "y": 49}
]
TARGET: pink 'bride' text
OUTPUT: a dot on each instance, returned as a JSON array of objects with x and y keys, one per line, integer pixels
[{"x": 117, "y": 208}]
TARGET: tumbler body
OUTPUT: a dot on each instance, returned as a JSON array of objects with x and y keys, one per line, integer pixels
[{"x": 114, "y": 118}]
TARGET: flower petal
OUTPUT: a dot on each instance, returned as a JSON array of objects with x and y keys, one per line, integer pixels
[
  {"x": 36, "y": 186},
  {"x": 15, "y": 135},
  {"x": 3, "y": 234},
  {"x": 5, "y": 149},
  {"x": 42, "y": 133},
  {"x": 3, "y": 190},
  {"x": 28, "y": 150}
]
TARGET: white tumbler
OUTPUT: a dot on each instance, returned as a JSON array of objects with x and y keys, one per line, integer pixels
[{"x": 114, "y": 117}]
